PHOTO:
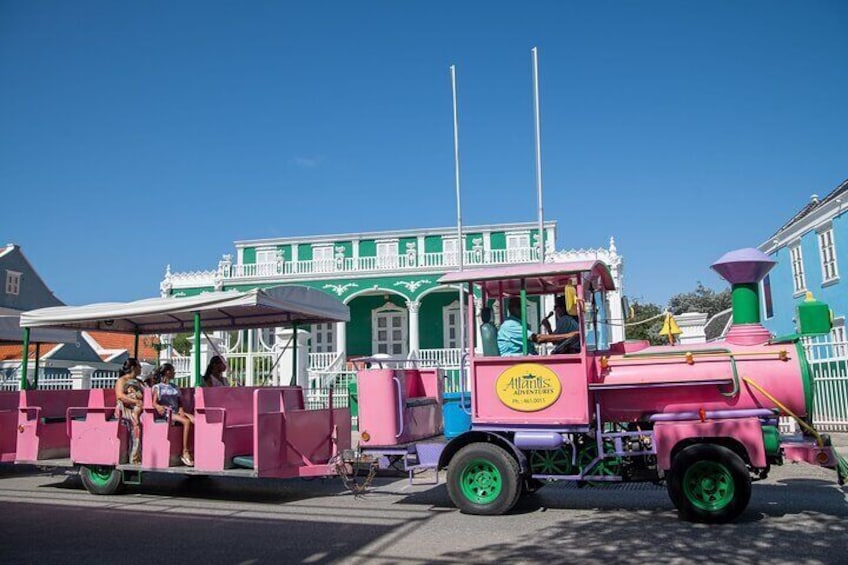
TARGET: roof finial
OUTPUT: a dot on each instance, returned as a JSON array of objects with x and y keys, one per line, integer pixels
[
  {"x": 814, "y": 198},
  {"x": 612, "y": 248}
]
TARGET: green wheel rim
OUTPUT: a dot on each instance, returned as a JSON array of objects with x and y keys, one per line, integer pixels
[
  {"x": 481, "y": 481},
  {"x": 551, "y": 462},
  {"x": 606, "y": 467},
  {"x": 708, "y": 485},
  {"x": 99, "y": 475}
]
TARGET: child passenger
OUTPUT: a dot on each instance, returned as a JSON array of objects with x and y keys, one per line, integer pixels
[{"x": 167, "y": 400}]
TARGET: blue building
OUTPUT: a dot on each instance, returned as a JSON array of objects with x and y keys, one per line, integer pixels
[{"x": 812, "y": 254}]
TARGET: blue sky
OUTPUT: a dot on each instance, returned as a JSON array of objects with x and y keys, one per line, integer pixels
[{"x": 136, "y": 135}]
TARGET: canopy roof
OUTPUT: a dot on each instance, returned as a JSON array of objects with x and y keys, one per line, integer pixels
[
  {"x": 228, "y": 310},
  {"x": 539, "y": 278},
  {"x": 11, "y": 331}
]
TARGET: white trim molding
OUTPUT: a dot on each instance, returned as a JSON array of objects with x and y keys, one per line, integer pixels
[
  {"x": 827, "y": 254},
  {"x": 796, "y": 261}
]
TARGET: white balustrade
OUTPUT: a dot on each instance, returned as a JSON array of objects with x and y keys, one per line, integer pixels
[
  {"x": 402, "y": 262},
  {"x": 448, "y": 358},
  {"x": 318, "y": 361}
]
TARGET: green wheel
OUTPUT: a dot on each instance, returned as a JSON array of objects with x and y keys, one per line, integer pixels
[
  {"x": 607, "y": 467},
  {"x": 551, "y": 462},
  {"x": 101, "y": 479},
  {"x": 483, "y": 479},
  {"x": 709, "y": 483}
]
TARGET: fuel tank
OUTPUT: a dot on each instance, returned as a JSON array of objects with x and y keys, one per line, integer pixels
[{"x": 711, "y": 376}]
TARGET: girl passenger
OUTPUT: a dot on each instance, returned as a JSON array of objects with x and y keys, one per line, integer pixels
[{"x": 167, "y": 400}]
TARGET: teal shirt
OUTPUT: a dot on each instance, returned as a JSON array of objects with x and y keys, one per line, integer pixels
[{"x": 511, "y": 338}]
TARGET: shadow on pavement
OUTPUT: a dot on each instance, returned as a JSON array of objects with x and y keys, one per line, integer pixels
[{"x": 75, "y": 535}]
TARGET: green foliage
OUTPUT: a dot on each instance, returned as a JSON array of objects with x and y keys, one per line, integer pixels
[
  {"x": 648, "y": 331},
  {"x": 702, "y": 299},
  {"x": 182, "y": 344},
  {"x": 706, "y": 301}
]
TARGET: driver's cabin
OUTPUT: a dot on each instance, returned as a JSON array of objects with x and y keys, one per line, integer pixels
[{"x": 543, "y": 384}]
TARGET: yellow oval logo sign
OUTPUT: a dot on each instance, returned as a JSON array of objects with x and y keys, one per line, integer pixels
[{"x": 528, "y": 387}]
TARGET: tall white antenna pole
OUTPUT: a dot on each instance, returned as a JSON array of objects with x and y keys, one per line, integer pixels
[
  {"x": 459, "y": 243},
  {"x": 536, "y": 112}
]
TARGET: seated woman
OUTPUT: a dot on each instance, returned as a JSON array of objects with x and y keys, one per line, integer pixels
[
  {"x": 129, "y": 392},
  {"x": 167, "y": 400},
  {"x": 214, "y": 375}
]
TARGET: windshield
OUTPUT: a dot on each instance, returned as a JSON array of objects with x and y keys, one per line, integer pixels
[{"x": 597, "y": 322}]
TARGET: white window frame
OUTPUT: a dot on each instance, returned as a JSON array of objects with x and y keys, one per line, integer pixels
[
  {"x": 13, "y": 282},
  {"x": 323, "y": 258},
  {"x": 763, "y": 307},
  {"x": 323, "y": 337},
  {"x": 391, "y": 309},
  {"x": 387, "y": 254},
  {"x": 450, "y": 248},
  {"x": 266, "y": 255},
  {"x": 827, "y": 254},
  {"x": 796, "y": 260},
  {"x": 518, "y": 247},
  {"x": 453, "y": 307}
]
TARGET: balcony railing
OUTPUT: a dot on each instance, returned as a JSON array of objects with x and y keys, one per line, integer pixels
[{"x": 409, "y": 261}]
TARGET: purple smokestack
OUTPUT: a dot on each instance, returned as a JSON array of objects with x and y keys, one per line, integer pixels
[{"x": 747, "y": 265}]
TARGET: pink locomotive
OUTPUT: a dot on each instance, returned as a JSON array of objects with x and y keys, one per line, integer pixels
[{"x": 704, "y": 418}]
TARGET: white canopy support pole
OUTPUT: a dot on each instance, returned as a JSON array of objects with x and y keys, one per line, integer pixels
[
  {"x": 459, "y": 242},
  {"x": 536, "y": 113}
]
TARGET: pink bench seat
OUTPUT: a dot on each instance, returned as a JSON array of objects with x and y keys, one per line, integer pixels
[
  {"x": 162, "y": 438},
  {"x": 290, "y": 441},
  {"x": 43, "y": 423},
  {"x": 8, "y": 425},
  {"x": 96, "y": 434},
  {"x": 398, "y": 406},
  {"x": 223, "y": 426}
]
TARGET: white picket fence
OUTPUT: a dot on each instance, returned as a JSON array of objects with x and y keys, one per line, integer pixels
[{"x": 829, "y": 365}]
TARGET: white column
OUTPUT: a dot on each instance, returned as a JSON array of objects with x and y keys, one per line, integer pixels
[
  {"x": 81, "y": 377},
  {"x": 248, "y": 359},
  {"x": 478, "y": 338},
  {"x": 414, "y": 344},
  {"x": 487, "y": 246},
  {"x": 419, "y": 247},
  {"x": 341, "y": 340},
  {"x": 285, "y": 366},
  {"x": 166, "y": 353},
  {"x": 692, "y": 324},
  {"x": 355, "y": 253},
  {"x": 616, "y": 316}
]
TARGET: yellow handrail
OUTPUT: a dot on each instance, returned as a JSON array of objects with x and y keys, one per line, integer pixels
[{"x": 786, "y": 410}]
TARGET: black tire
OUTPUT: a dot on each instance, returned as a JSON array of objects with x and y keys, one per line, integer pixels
[
  {"x": 100, "y": 479},
  {"x": 490, "y": 473},
  {"x": 709, "y": 483}
]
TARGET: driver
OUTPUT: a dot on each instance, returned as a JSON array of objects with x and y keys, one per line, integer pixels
[{"x": 566, "y": 334}]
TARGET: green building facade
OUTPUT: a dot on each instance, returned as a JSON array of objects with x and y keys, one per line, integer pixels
[{"x": 388, "y": 279}]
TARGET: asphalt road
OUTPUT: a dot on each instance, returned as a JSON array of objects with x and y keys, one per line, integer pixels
[{"x": 798, "y": 515}]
